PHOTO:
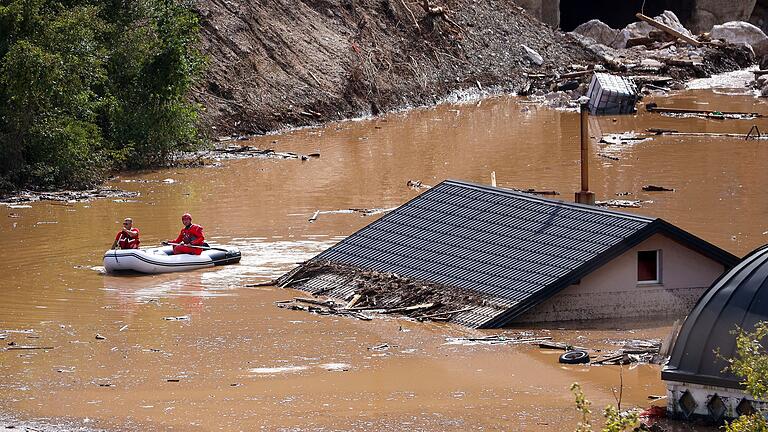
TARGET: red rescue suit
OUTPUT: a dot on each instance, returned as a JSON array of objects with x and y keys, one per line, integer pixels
[
  {"x": 189, "y": 236},
  {"x": 125, "y": 241}
]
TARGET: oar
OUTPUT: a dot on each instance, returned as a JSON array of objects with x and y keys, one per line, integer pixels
[{"x": 197, "y": 247}]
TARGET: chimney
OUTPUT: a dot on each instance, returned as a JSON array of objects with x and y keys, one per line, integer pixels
[{"x": 584, "y": 196}]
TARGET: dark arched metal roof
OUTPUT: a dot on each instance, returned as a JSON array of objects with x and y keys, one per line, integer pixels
[{"x": 738, "y": 299}]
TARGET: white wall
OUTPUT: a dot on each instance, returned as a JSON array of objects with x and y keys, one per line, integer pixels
[{"x": 612, "y": 291}]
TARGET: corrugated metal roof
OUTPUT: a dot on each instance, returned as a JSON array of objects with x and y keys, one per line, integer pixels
[
  {"x": 739, "y": 299},
  {"x": 514, "y": 248}
]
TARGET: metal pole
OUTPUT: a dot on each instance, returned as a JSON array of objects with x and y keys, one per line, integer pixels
[
  {"x": 584, "y": 196},
  {"x": 584, "y": 148}
]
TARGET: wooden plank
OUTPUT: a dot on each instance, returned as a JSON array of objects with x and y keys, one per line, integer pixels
[
  {"x": 313, "y": 301},
  {"x": 667, "y": 29},
  {"x": 356, "y": 298},
  {"x": 442, "y": 314},
  {"x": 409, "y": 308}
]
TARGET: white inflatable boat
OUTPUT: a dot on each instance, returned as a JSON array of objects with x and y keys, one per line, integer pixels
[{"x": 162, "y": 259}]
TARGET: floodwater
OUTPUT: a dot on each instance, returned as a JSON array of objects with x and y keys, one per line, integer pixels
[{"x": 237, "y": 362}]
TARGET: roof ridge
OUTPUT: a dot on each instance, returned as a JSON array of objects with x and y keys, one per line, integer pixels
[{"x": 549, "y": 201}]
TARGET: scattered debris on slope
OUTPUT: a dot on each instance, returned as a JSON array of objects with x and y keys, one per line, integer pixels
[{"x": 296, "y": 63}]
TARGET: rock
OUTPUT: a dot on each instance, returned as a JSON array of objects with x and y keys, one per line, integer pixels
[
  {"x": 569, "y": 85},
  {"x": 534, "y": 56},
  {"x": 740, "y": 33},
  {"x": 707, "y": 13},
  {"x": 764, "y": 91},
  {"x": 651, "y": 64},
  {"x": 761, "y": 51},
  {"x": 598, "y": 31}
]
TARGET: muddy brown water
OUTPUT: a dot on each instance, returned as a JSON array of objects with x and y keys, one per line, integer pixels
[{"x": 240, "y": 363}]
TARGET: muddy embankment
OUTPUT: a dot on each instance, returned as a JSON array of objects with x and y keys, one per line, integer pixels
[
  {"x": 283, "y": 63},
  {"x": 291, "y": 63}
]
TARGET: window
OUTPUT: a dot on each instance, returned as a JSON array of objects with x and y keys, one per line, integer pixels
[{"x": 648, "y": 268}]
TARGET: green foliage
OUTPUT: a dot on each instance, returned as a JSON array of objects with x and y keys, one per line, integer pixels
[
  {"x": 582, "y": 406},
  {"x": 748, "y": 423},
  {"x": 615, "y": 421},
  {"x": 751, "y": 362},
  {"x": 89, "y": 86}
]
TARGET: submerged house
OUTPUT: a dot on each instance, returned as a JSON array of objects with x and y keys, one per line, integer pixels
[
  {"x": 520, "y": 258},
  {"x": 697, "y": 384}
]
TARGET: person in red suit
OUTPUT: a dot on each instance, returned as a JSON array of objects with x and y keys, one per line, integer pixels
[
  {"x": 190, "y": 235},
  {"x": 128, "y": 237}
]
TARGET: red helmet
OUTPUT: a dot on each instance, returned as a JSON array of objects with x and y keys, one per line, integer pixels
[{"x": 186, "y": 215}]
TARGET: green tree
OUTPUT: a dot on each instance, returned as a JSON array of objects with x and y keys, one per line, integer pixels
[
  {"x": 87, "y": 86},
  {"x": 751, "y": 362}
]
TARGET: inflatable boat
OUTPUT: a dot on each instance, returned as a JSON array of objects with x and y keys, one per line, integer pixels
[{"x": 162, "y": 259}]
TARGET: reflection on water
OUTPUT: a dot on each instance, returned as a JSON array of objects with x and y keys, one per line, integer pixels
[{"x": 237, "y": 359}]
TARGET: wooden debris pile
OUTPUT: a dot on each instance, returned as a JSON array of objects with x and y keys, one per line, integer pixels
[
  {"x": 368, "y": 291},
  {"x": 68, "y": 196},
  {"x": 635, "y": 351}
]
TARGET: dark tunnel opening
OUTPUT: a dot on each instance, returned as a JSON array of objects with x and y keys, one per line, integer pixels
[{"x": 618, "y": 14}]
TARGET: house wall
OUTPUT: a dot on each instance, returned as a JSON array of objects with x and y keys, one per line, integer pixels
[
  {"x": 612, "y": 291},
  {"x": 702, "y": 396}
]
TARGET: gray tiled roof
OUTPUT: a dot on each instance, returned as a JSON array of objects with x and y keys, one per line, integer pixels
[{"x": 512, "y": 247}]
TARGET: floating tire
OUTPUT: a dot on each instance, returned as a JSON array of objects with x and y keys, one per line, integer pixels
[{"x": 575, "y": 357}]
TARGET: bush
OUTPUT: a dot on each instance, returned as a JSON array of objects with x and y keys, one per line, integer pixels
[
  {"x": 615, "y": 420},
  {"x": 86, "y": 87},
  {"x": 751, "y": 362}
]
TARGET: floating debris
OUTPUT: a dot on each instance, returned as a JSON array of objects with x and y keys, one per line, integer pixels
[
  {"x": 361, "y": 211},
  {"x": 654, "y": 188},
  {"x": 495, "y": 340},
  {"x": 623, "y": 138},
  {"x": 685, "y": 113},
  {"x": 65, "y": 196},
  {"x": 247, "y": 151},
  {"x": 177, "y": 318},
  {"x": 619, "y": 203},
  {"x": 417, "y": 184},
  {"x": 537, "y": 191}
]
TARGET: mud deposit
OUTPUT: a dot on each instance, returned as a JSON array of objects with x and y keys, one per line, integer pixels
[
  {"x": 282, "y": 63},
  {"x": 241, "y": 363}
]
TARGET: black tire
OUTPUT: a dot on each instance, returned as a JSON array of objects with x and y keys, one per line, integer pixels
[{"x": 575, "y": 357}]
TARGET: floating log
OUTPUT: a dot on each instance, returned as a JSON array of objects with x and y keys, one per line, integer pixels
[
  {"x": 654, "y": 188},
  {"x": 654, "y": 108},
  {"x": 27, "y": 347}
]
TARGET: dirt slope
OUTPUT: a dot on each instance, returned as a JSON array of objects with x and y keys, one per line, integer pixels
[{"x": 293, "y": 62}]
